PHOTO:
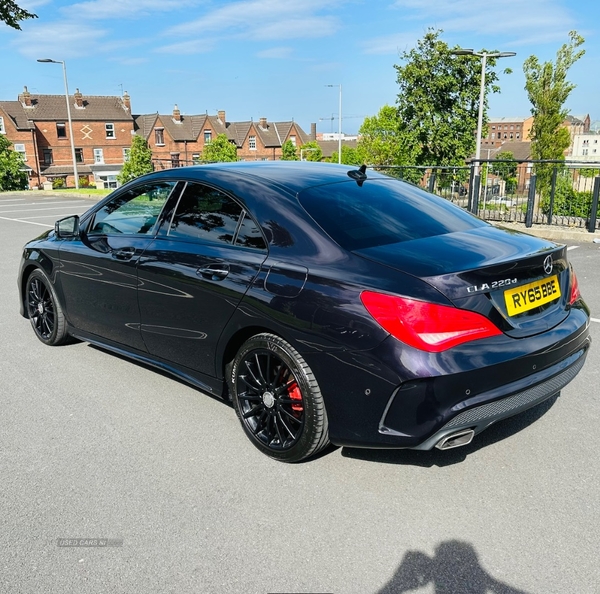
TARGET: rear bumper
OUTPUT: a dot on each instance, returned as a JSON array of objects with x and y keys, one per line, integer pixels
[{"x": 523, "y": 395}]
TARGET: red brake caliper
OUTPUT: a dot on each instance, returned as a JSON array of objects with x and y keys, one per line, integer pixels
[{"x": 296, "y": 395}]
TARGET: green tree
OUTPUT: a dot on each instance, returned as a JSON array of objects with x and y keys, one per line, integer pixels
[
  {"x": 288, "y": 151},
  {"x": 219, "y": 150},
  {"x": 12, "y": 173},
  {"x": 350, "y": 156},
  {"x": 507, "y": 171},
  {"x": 438, "y": 100},
  {"x": 383, "y": 143},
  {"x": 311, "y": 151},
  {"x": 139, "y": 161},
  {"x": 12, "y": 14},
  {"x": 548, "y": 89}
]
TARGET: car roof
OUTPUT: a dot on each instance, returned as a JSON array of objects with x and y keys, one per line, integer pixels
[{"x": 295, "y": 176}]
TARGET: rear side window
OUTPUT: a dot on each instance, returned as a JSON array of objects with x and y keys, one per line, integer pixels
[
  {"x": 381, "y": 212},
  {"x": 205, "y": 213}
]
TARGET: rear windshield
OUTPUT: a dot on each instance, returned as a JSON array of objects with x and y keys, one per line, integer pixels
[{"x": 382, "y": 212}]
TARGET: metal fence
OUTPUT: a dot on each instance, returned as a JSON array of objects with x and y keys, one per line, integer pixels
[{"x": 531, "y": 192}]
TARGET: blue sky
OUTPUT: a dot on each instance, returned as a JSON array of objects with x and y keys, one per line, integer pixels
[{"x": 274, "y": 58}]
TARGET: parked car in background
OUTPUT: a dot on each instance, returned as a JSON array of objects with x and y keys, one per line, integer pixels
[{"x": 330, "y": 305}]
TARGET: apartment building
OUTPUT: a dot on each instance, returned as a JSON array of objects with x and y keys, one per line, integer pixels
[
  {"x": 177, "y": 139},
  {"x": 38, "y": 127}
]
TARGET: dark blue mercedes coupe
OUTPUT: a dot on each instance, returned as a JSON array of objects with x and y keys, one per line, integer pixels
[{"x": 330, "y": 304}]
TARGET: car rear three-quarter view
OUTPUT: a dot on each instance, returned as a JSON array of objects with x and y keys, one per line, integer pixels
[{"x": 329, "y": 304}]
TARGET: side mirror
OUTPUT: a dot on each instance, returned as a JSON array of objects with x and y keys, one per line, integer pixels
[{"x": 67, "y": 227}]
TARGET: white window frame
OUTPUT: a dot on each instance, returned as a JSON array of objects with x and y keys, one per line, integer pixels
[
  {"x": 2, "y": 128},
  {"x": 207, "y": 136},
  {"x": 293, "y": 140},
  {"x": 252, "y": 143},
  {"x": 20, "y": 148},
  {"x": 98, "y": 155},
  {"x": 111, "y": 133},
  {"x": 162, "y": 133}
]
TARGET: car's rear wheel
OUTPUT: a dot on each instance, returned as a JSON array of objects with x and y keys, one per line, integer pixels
[
  {"x": 44, "y": 310},
  {"x": 278, "y": 400}
]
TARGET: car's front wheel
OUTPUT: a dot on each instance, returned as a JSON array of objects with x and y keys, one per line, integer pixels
[
  {"x": 278, "y": 400},
  {"x": 44, "y": 310}
]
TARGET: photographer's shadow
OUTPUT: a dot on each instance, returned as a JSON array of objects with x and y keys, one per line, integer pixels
[{"x": 454, "y": 569}]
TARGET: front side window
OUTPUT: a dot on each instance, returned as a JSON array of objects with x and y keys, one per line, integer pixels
[
  {"x": 133, "y": 213},
  {"x": 61, "y": 130},
  {"x": 249, "y": 235},
  {"x": 252, "y": 143},
  {"x": 159, "y": 136},
  {"x": 98, "y": 156},
  {"x": 110, "y": 130},
  {"x": 205, "y": 213}
]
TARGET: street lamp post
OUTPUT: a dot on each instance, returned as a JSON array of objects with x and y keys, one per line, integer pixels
[
  {"x": 473, "y": 196},
  {"x": 339, "y": 125},
  {"x": 49, "y": 61}
]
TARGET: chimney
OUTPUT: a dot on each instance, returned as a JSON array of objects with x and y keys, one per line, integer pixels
[
  {"x": 126, "y": 101},
  {"x": 26, "y": 98},
  {"x": 176, "y": 114},
  {"x": 78, "y": 99},
  {"x": 263, "y": 123},
  {"x": 221, "y": 114},
  {"x": 313, "y": 131}
]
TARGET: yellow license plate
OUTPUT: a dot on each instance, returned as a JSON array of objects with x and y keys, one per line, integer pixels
[{"x": 532, "y": 295}]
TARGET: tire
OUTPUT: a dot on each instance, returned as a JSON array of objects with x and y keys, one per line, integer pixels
[
  {"x": 277, "y": 399},
  {"x": 44, "y": 310}
]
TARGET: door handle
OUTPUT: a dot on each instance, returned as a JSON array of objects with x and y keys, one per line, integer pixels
[
  {"x": 214, "y": 271},
  {"x": 124, "y": 253}
]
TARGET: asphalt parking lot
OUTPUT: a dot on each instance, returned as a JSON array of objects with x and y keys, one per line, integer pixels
[{"x": 93, "y": 446}]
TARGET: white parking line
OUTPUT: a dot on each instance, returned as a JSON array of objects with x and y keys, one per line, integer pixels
[
  {"x": 32, "y": 209},
  {"x": 30, "y": 222},
  {"x": 573, "y": 247},
  {"x": 595, "y": 320}
]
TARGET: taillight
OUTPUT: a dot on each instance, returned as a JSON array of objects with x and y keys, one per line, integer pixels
[
  {"x": 575, "y": 293},
  {"x": 426, "y": 326}
]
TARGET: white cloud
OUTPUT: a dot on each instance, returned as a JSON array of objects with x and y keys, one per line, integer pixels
[
  {"x": 58, "y": 41},
  {"x": 116, "y": 9},
  {"x": 194, "y": 46},
  {"x": 264, "y": 19},
  {"x": 277, "y": 53},
  {"x": 510, "y": 22}
]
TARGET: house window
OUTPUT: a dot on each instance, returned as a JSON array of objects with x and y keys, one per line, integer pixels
[
  {"x": 126, "y": 152},
  {"x": 196, "y": 157},
  {"x": 493, "y": 127},
  {"x": 207, "y": 136},
  {"x": 20, "y": 148},
  {"x": 98, "y": 156},
  {"x": 518, "y": 135},
  {"x": 47, "y": 156},
  {"x": 110, "y": 130},
  {"x": 61, "y": 130},
  {"x": 493, "y": 135},
  {"x": 159, "y": 136},
  {"x": 586, "y": 142},
  {"x": 2, "y": 130},
  {"x": 585, "y": 152},
  {"x": 78, "y": 155},
  {"x": 511, "y": 135},
  {"x": 252, "y": 143},
  {"x": 175, "y": 160},
  {"x": 293, "y": 140}
]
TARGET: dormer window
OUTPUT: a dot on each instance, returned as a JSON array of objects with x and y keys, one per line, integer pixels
[{"x": 110, "y": 130}]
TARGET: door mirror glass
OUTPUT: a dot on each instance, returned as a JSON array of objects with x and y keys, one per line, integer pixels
[{"x": 67, "y": 227}]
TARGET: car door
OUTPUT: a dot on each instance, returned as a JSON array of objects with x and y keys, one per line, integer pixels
[
  {"x": 194, "y": 274},
  {"x": 98, "y": 276}
]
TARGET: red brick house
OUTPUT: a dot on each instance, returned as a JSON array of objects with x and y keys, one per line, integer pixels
[
  {"x": 37, "y": 125},
  {"x": 178, "y": 140}
]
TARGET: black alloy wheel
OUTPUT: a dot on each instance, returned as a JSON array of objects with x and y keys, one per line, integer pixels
[
  {"x": 44, "y": 311},
  {"x": 278, "y": 400}
]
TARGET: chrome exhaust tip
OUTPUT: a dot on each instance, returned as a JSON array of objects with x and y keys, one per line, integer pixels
[{"x": 455, "y": 440}]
